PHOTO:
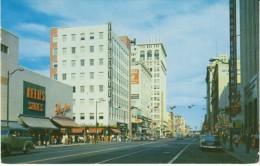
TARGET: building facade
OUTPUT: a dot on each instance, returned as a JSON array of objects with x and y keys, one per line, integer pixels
[
  {"x": 35, "y": 101},
  {"x": 95, "y": 62},
  {"x": 153, "y": 55},
  {"x": 249, "y": 45},
  {"x": 141, "y": 92}
]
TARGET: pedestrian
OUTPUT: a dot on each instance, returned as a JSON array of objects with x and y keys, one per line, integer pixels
[
  {"x": 248, "y": 141},
  {"x": 252, "y": 141},
  {"x": 224, "y": 140},
  {"x": 236, "y": 139},
  {"x": 46, "y": 139}
]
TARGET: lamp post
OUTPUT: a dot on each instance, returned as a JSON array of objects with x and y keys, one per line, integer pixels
[
  {"x": 9, "y": 74},
  {"x": 101, "y": 100}
]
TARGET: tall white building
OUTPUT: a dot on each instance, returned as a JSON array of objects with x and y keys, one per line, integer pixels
[
  {"x": 95, "y": 62},
  {"x": 153, "y": 55}
]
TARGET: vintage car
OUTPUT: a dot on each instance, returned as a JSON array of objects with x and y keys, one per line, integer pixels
[
  {"x": 210, "y": 142},
  {"x": 13, "y": 139}
]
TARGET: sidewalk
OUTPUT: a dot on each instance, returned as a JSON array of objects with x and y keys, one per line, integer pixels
[
  {"x": 65, "y": 145},
  {"x": 240, "y": 154}
]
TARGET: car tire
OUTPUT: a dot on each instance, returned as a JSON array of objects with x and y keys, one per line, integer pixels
[
  {"x": 4, "y": 151},
  {"x": 28, "y": 148}
]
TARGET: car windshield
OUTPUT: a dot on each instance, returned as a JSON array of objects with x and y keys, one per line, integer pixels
[
  {"x": 211, "y": 137},
  {"x": 4, "y": 131}
]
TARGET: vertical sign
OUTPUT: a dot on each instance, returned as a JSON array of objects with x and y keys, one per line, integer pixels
[
  {"x": 135, "y": 76},
  {"x": 233, "y": 53}
]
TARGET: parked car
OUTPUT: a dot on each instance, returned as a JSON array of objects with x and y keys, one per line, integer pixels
[
  {"x": 13, "y": 139},
  {"x": 210, "y": 142},
  {"x": 179, "y": 137}
]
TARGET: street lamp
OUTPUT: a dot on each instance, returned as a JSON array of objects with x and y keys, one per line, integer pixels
[
  {"x": 9, "y": 74},
  {"x": 100, "y": 100}
]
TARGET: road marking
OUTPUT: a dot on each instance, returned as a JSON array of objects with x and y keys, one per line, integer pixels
[
  {"x": 128, "y": 154},
  {"x": 170, "y": 162},
  {"x": 54, "y": 158}
]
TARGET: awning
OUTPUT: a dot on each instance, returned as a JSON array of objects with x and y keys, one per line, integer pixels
[
  {"x": 115, "y": 130},
  {"x": 77, "y": 130},
  {"x": 93, "y": 130},
  {"x": 66, "y": 123},
  {"x": 38, "y": 123}
]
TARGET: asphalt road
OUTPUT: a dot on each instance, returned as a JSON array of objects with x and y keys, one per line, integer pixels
[{"x": 143, "y": 152}]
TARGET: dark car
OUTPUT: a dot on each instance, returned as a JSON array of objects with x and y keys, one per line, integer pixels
[
  {"x": 210, "y": 142},
  {"x": 13, "y": 139}
]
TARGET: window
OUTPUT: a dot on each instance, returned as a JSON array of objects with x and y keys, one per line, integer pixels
[
  {"x": 73, "y": 50},
  {"x": 82, "y": 102},
  {"x": 55, "y": 76},
  {"x": 91, "y": 48},
  {"x": 74, "y": 102},
  {"x": 4, "y": 49},
  {"x": 64, "y": 51},
  {"x": 82, "y": 76},
  {"x": 55, "y": 64},
  {"x": 100, "y": 75},
  {"x": 101, "y": 116},
  {"x": 55, "y": 39},
  {"x": 91, "y": 75},
  {"x": 64, "y": 76},
  {"x": 91, "y": 36},
  {"x": 73, "y": 76},
  {"x": 73, "y": 63},
  {"x": 142, "y": 55},
  {"x": 100, "y": 35},
  {"x": 64, "y": 38},
  {"x": 73, "y": 37},
  {"x": 91, "y": 62},
  {"x": 101, "y": 61},
  {"x": 82, "y": 50},
  {"x": 91, "y": 101},
  {"x": 74, "y": 89},
  {"x": 91, "y": 88},
  {"x": 101, "y": 88},
  {"x": 82, "y": 89},
  {"x": 156, "y": 54},
  {"x": 149, "y": 54},
  {"x": 82, "y": 62},
  {"x": 133, "y": 59},
  {"x": 55, "y": 51},
  {"x": 101, "y": 48},
  {"x": 82, "y": 116},
  {"x": 82, "y": 36},
  {"x": 64, "y": 63},
  {"x": 91, "y": 115}
]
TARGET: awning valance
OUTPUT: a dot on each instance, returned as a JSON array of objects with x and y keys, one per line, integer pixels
[
  {"x": 39, "y": 123},
  {"x": 77, "y": 130},
  {"x": 66, "y": 123},
  {"x": 115, "y": 130},
  {"x": 93, "y": 130}
]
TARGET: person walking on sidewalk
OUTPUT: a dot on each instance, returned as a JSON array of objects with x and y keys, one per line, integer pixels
[
  {"x": 248, "y": 141},
  {"x": 236, "y": 140},
  {"x": 46, "y": 139}
]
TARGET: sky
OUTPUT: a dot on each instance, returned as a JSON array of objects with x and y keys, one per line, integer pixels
[{"x": 192, "y": 31}]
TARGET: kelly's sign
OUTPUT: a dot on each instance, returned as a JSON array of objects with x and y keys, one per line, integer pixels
[{"x": 34, "y": 99}]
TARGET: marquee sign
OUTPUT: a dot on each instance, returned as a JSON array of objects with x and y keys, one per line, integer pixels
[{"x": 34, "y": 99}]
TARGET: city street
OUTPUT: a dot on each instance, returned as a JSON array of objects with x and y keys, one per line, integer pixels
[{"x": 162, "y": 151}]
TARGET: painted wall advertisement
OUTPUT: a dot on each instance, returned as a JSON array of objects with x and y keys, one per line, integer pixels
[
  {"x": 135, "y": 76},
  {"x": 34, "y": 99}
]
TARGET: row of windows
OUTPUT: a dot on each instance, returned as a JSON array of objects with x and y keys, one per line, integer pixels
[
  {"x": 79, "y": 37},
  {"x": 150, "y": 46},
  {"x": 91, "y": 88},
  {"x": 80, "y": 50},
  {"x": 81, "y": 61}
]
